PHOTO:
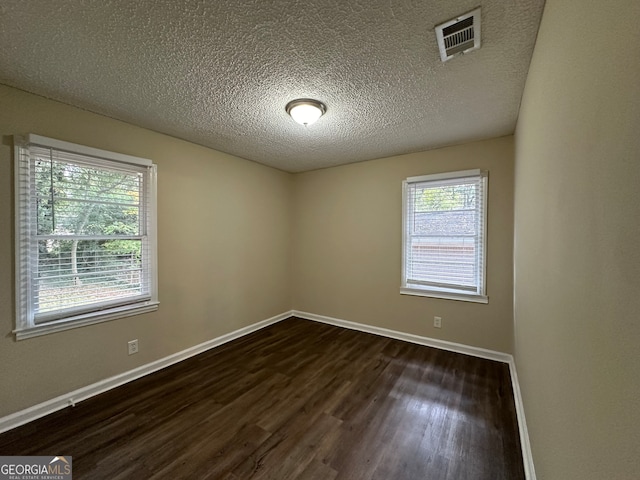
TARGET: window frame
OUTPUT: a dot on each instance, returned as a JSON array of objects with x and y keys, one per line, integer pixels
[
  {"x": 25, "y": 324},
  {"x": 477, "y": 296}
]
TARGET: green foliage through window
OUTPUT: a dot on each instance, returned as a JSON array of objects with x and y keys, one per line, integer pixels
[{"x": 89, "y": 226}]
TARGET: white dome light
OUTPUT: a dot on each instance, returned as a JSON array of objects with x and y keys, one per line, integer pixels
[{"x": 306, "y": 111}]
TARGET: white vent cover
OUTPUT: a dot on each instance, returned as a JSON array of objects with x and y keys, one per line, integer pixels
[{"x": 460, "y": 35}]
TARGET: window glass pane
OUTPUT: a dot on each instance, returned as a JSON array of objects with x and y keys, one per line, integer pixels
[
  {"x": 449, "y": 260},
  {"x": 457, "y": 222},
  {"x": 74, "y": 273},
  {"x": 447, "y": 197},
  {"x": 444, "y": 244},
  {"x": 86, "y": 235},
  {"x": 80, "y": 200}
]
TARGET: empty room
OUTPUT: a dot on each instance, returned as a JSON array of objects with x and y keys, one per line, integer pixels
[{"x": 320, "y": 240}]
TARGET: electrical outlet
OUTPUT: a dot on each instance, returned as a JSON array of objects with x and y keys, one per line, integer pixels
[
  {"x": 133, "y": 346},
  {"x": 437, "y": 322}
]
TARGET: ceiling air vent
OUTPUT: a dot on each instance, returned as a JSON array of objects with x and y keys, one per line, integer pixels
[{"x": 460, "y": 35}]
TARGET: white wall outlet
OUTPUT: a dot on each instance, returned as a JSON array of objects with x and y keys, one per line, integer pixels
[
  {"x": 133, "y": 346},
  {"x": 437, "y": 322}
]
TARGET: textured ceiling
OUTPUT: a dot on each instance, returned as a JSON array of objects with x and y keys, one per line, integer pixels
[{"x": 219, "y": 73}]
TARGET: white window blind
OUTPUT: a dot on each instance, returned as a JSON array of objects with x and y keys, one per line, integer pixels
[
  {"x": 85, "y": 226},
  {"x": 445, "y": 235}
]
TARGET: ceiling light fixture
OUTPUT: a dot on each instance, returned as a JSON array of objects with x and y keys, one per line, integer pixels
[{"x": 306, "y": 111}]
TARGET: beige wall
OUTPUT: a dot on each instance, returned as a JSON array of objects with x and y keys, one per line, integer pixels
[
  {"x": 577, "y": 242},
  {"x": 328, "y": 242},
  {"x": 223, "y": 238},
  {"x": 240, "y": 214},
  {"x": 347, "y": 237}
]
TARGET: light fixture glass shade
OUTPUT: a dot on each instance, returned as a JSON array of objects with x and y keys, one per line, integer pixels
[{"x": 305, "y": 111}]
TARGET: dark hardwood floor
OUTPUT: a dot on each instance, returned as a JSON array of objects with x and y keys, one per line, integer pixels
[{"x": 297, "y": 400}]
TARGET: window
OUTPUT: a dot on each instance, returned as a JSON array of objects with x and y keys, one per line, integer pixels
[
  {"x": 444, "y": 236},
  {"x": 85, "y": 236}
]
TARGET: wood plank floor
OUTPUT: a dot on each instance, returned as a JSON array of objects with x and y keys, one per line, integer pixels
[{"x": 297, "y": 400}]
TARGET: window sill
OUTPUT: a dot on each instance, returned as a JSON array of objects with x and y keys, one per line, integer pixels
[
  {"x": 84, "y": 320},
  {"x": 447, "y": 295}
]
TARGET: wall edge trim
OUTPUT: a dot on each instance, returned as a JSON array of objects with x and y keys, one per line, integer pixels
[
  {"x": 525, "y": 444},
  {"x": 39, "y": 410},
  {"x": 409, "y": 337}
]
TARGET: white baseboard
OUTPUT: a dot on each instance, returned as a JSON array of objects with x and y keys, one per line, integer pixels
[
  {"x": 408, "y": 337},
  {"x": 45, "y": 408},
  {"x": 37, "y": 411},
  {"x": 527, "y": 458},
  {"x": 525, "y": 445}
]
